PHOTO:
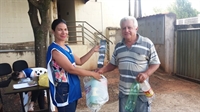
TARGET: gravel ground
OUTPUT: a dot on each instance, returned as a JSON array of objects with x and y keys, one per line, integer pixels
[{"x": 173, "y": 94}]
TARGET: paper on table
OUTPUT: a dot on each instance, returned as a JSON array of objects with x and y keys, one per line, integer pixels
[{"x": 23, "y": 85}]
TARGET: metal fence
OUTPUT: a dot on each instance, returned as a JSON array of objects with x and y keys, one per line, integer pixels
[{"x": 188, "y": 53}]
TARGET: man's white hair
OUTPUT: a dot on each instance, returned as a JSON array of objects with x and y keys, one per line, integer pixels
[{"x": 135, "y": 23}]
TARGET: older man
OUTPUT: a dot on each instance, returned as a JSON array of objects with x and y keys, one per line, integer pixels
[{"x": 136, "y": 58}]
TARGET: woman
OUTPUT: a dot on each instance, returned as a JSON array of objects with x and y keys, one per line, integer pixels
[{"x": 63, "y": 74}]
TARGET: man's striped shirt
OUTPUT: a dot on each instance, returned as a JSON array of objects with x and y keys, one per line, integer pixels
[{"x": 134, "y": 60}]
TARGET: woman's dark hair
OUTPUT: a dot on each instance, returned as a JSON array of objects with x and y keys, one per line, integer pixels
[
  {"x": 56, "y": 22},
  {"x": 15, "y": 75}
]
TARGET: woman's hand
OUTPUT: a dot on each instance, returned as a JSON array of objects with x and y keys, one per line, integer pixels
[
  {"x": 99, "y": 70},
  {"x": 96, "y": 75},
  {"x": 96, "y": 48}
]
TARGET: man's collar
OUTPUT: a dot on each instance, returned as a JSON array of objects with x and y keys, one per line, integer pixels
[{"x": 139, "y": 39}]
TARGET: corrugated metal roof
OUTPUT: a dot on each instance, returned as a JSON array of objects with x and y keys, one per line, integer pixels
[{"x": 161, "y": 14}]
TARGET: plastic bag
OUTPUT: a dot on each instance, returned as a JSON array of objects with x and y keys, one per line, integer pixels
[
  {"x": 96, "y": 92},
  {"x": 43, "y": 80}
]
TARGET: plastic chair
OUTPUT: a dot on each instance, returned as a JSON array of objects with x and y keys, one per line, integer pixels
[
  {"x": 19, "y": 65},
  {"x": 5, "y": 69}
]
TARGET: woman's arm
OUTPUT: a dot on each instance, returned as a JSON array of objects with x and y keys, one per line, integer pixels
[
  {"x": 64, "y": 63},
  {"x": 83, "y": 59}
]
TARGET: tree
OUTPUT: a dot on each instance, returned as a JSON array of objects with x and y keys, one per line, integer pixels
[
  {"x": 39, "y": 18},
  {"x": 158, "y": 10},
  {"x": 183, "y": 9}
]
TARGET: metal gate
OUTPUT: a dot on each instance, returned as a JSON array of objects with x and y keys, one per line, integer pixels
[{"x": 188, "y": 53}]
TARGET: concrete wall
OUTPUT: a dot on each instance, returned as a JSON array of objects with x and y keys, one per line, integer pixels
[
  {"x": 10, "y": 57},
  {"x": 101, "y": 14},
  {"x": 29, "y": 56},
  {"x": 90, "y": 12},
  {"x": 15, "y": 25},
  {"x": 80, "y": 50},
  {"x": 166, "y": 51},
  {"x": 14, "y": 22},
  {"x": 170, "y": 21},
  {"x": 164, "y": 43},
  {"x": 114, "y": 35}
]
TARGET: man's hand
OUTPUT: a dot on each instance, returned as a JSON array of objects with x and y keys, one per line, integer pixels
[
  {"x": 99, "y": 70},
  {"x": 96, "y": 75},
  {"x": 141, "y": 77}
]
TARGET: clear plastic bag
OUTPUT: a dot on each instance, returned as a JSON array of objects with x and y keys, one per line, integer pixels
[{"x": 96, "y": 93}]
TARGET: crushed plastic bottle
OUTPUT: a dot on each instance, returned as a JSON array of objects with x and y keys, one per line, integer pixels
[
  {"x": 132, "y": 98},
  {"x": 145, "y": 86}
]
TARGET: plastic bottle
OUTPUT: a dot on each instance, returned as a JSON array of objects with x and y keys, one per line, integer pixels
[
  {"x": 145, "y": 86},
  {"x": 131, "y": 101}
]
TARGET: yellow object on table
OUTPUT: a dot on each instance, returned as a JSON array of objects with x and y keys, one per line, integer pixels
[{"x": 43, "y": 80}]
